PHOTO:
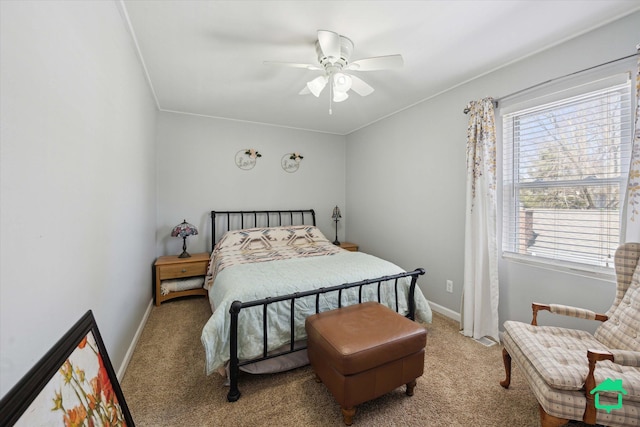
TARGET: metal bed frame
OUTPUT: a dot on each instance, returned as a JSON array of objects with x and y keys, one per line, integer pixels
[
  {"x": 237, "y": 306},
  {"x": 260, "y": 219}
]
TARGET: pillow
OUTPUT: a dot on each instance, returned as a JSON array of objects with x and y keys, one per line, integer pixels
[{"x": 268, "y": 237}]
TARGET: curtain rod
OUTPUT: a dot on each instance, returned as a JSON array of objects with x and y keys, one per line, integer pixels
[
  {"x": 495, "y": 105},
  {"x": 495, "y": 102}
]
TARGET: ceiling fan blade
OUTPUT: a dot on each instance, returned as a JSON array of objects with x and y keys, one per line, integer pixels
[
  {"x": 293, "y": 65},
  {"x": 330, "y": 44},
  {"x": 377, "y": 63},
  {"x": 360, "y": 87},
  {"x": 305, "y": 91}
]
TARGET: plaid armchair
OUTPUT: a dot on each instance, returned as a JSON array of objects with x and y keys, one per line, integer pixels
[{"x": 578, "y": 376}]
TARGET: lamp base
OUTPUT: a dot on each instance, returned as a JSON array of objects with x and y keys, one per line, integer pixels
[
  {"x": 335, "y": 242},
  {"x": 184, "y": 253}
]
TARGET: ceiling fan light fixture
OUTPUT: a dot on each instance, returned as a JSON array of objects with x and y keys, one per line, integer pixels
[
  {"x": 316, "y": 85},
  {"x": 334, "y": 56},
  {"x": 339, "y": 96},
  {"x": 341, "y": 82}
]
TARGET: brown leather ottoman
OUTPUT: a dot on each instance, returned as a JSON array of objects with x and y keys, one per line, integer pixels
[{"x": 363, "y": 351}]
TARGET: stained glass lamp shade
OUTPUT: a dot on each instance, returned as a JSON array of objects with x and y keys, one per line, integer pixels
[{"x": 184, "y": 230}]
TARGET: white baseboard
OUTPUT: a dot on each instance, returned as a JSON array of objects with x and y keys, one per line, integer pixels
[
  {"x": 134, "y": 342},
  {"x": 444, "y": 311}
]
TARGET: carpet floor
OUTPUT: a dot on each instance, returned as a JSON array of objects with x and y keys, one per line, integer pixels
[{"x": 165, "y": 384}]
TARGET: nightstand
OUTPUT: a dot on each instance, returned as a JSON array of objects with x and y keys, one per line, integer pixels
[
  {"x": 173, "y": 267},
  {"x": 349, "y": 246}
]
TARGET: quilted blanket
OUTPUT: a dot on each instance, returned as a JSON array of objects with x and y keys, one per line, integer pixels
[
  {"x": 265, "y": 268},
  {"x": 267, "y": 244}
]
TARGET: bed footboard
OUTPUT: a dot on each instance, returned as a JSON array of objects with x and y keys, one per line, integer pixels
[{"x": 237, "y": 306}]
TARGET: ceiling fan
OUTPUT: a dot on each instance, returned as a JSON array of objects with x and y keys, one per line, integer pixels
[{"x": 334, "y": 52}]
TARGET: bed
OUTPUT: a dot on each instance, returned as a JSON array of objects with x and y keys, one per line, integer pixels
[{"x": 268, "y": 271}]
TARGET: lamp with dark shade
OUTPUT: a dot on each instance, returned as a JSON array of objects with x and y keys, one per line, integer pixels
[
  {"x": 184, "y": 230},
  {"x": 336, "y": 217}
]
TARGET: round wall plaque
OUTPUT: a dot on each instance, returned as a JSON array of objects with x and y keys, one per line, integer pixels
[
  {"x": 244, "y": 161},
  {"x": 288, "y": 164}
]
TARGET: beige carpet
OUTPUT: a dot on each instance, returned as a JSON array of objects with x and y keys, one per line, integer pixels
[{"x": 165, "y": 384}]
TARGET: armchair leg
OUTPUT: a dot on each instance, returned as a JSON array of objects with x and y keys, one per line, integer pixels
[
  {"x": 547, "y": 420},
  {"x": 506, "y": 358}
]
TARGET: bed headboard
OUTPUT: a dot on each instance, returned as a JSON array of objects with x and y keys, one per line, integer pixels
[{"x": 223, "y": 221}]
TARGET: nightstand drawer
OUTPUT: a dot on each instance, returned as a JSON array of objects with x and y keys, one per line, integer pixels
[{"x": 182, "y": 270}]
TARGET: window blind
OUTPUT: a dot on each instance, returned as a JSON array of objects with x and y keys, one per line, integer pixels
[{"x": 564, "y": 169}]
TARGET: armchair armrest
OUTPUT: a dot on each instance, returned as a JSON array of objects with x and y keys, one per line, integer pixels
[
  {"x": 626, "y": 357},
  {"x": 594, "y": 356},
  {"x": 566, "y": 310},
  {"x": 621, "y": 357}
]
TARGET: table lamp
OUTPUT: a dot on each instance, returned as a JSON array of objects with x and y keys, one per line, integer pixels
[
  {"x": 336, "y": 217},
  {"x": 183, "y": 230}
]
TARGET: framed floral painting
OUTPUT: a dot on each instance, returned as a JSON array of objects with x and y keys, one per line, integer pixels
[{"x": 74, "y": 384}]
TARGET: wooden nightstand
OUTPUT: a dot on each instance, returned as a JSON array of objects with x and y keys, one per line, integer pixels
[
  {"x": 173, "y": 267},
  {"x": 349, "y": 246}
]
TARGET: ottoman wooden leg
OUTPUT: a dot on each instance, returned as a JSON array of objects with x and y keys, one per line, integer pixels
[
  {"x": 347, "y": 414},
  {"x": 410, "y": 386}
]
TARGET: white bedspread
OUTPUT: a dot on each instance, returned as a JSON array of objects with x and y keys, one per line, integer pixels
[{"x": 248, "y": 282}]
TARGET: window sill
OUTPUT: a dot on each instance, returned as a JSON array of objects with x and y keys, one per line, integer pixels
[{"x": 592, "y": 272}]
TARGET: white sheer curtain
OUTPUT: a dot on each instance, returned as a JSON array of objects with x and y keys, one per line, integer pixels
[
  {"x": 632, "y": 199},
  {"x": 480, "y": 292}
]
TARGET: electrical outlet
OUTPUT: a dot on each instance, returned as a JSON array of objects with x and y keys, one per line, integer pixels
[{"x": 450, "y": 286}]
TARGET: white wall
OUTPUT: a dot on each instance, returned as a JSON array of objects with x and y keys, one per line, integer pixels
[
  {"x": 78, "y": 184},
  {"x": 406, "y": 182},
  {"x": 197, "y": 173}
]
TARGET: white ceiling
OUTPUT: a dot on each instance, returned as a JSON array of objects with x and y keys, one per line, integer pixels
[{"x": 206, "y": 57}]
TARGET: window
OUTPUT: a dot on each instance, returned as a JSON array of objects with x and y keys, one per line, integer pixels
[{"x": 564, "y": 167}]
